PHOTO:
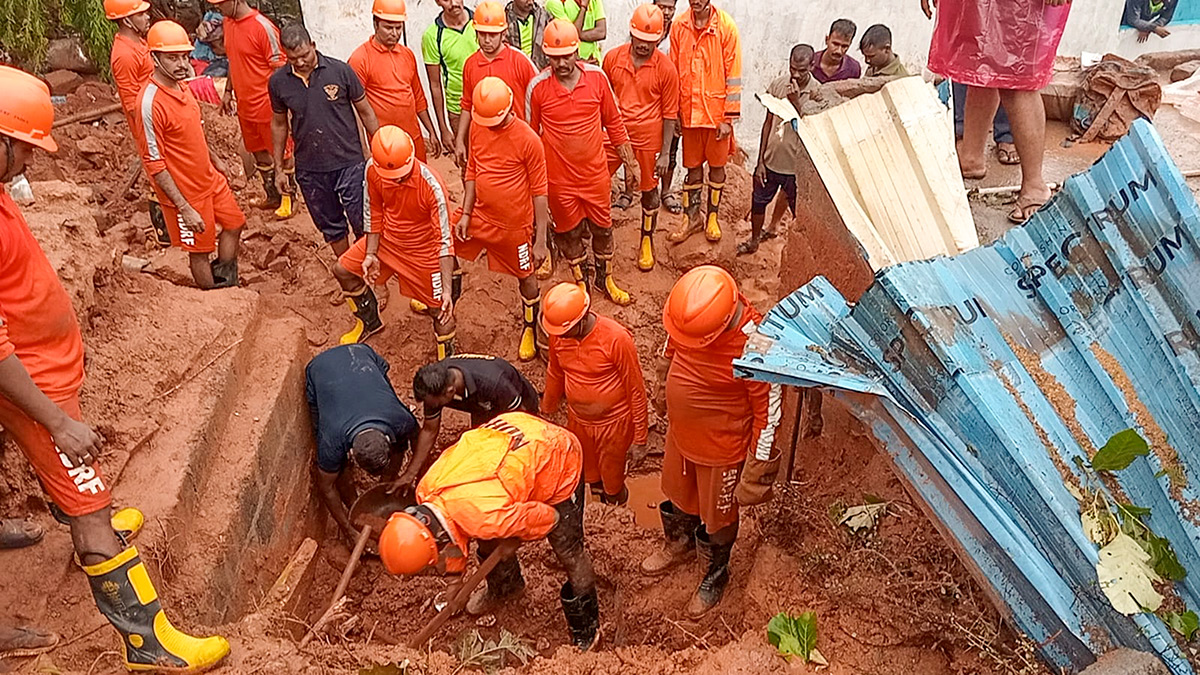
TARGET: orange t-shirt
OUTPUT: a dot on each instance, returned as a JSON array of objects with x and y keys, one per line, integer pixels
[
  {"x": 600, "y": 375},
  {"x": 170, "y": 135},
  {"x": 510, "y": 65},
  {"x": 646, "y": 95},
  {"x": 37, "y": 322},
  {"x": 573, "y": 126},
  {"x": 713, "y": 417},
  {"x": 503, "y": 479},
  {"x": 509, "y": 169},
  {"x": 131, "y": 70},
  {"x": 252, "y": 45},
  {"x": 393, "y": 88},
  {"x": 412, "y": 215}
]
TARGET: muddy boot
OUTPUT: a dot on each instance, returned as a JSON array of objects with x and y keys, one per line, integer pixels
[
  {"x": 273, "y": 200},
  {"x": 712, "y": 230},
  {"x": 285, "y": 200},
  {"x": 679, "y": 529},
  {"x": 692, "y": 222},
  {"x": 127, "y": 523},
  {"x": 504, "y": 584},
  {"x": 646, "y": 247},
  {"x": 580, "y": 272},
  {"x": 158, "y": 222},
  {"x": 619, "y": 499},
  {"x": 445, "y": 346},
  {"x": 417, "y": 307},
  {"x": 528, "y": 350},
  {"x": 126, "y": 597},
  {"x": 714, "y": 560},
  {"x": 366, "y": 316},
  {"x": 225, "y": 274},
  {"x": 456, "y": 284},
  {"x": 606, "y": 284},
  {"x": 583, "y": 617}
]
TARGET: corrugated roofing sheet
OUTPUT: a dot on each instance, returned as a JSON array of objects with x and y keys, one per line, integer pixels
[
  {"x": 889, "y": 164},
  {"x": 989, "y": 372}
]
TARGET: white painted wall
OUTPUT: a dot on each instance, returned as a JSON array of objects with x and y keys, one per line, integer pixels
[{"x": 769, "y": 28}]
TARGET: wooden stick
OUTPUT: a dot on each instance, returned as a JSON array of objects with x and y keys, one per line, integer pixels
[
  {"x": 460, "y": 599},
  {"x": 348, "y": 574},
  {"x": 89, "y": 116}
]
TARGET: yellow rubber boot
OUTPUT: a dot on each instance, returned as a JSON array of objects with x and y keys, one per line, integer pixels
[
  {"x": 418, "y": 307},
  {"x": 366, "y": 316},
  {"x": 712, "y": 231},
  {"x": 127, "y": 523},
  {"x": 691, "y": 215},
  {"x": 285, "y": 208},
  {"x": 646, "y": 248},
  {"x": 606, "y": 282},
  {"x": 445, "y": 346},
  {"x": 529, "y": 347},
  {"x": 546, "y": 269},
  {"x": 126, "y": 597},
  {"x": 578, "y": 273}
]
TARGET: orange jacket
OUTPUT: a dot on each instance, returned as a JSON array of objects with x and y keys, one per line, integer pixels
[
  {"x": 502, "y": 480},
  {"x": 713, "y": 417},
  {"x": 709, "y": 63},
  {"x": 600, "y": 375}
]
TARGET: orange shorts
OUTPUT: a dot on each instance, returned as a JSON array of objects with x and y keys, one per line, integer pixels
[
  {"x": 256, "y": 137},
  {"x": 646, "y": 159},
  {"x": 509, "y": 251},
  {"x": 705, "y": 491},
  {"x": 605, "y": 450},
  {"x": 417, "y": 281},
  {"x": 78, "y": 491},
  {"x": 700, "y": 147},
  {"x": 219, "y": 208},
  {"x": 569, "y": 209}
]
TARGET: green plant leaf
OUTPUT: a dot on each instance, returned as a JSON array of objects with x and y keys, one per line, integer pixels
[
  {"x": 1133, "y": 510},
  {"x": 1186, "y": 623},
  {"x": 1120, "y": 451},
  {"x": 1163, "y": 558},
  {"x": 806, "y": 631},
  {"x": 793, "y": 636}
]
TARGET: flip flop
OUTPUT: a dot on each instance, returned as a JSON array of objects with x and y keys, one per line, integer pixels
[
  {"x": 1006, "y": 156},
  {"x": 673, "y": 204},
  {"x": 622, "y": 202},
  {"x": 1022, "y": 213},
  {"x": 19, "y": 533},
  {"x": 748, "y": 247},
  {"x": 22, "y": 641}
]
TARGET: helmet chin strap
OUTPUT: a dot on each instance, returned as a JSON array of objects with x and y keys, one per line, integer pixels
[{"x": 159, "y": 65}]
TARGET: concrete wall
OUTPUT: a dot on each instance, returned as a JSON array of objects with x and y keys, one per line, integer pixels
[{"x": 769, "y": 28}]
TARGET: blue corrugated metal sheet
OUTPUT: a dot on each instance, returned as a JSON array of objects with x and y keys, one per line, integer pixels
[{"x": 989, "y": 372}]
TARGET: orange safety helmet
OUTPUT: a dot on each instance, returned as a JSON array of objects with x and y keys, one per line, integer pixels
[
  {"x": 115, "y": 10},
  {"x": 491, "y": 101},
  {"x": 390, "y": 10},
  {"x": 560, "y": 38},
  {"x": 26, "y": 113},
  {"x": 168, "y": 36},
  {"x": 563, "y": 308},
  {"x": 392, "y": 152},
  {"x": 490, "y": 17},
  {"x": 700, "y": 306},
  {"x": 406, "y": 546},
  {"x": 647, "y": 23}
]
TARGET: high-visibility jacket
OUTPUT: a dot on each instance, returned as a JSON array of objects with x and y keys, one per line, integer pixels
[
  {"x": 503, "y": 479},
  {"x": 709, "y": 63}
]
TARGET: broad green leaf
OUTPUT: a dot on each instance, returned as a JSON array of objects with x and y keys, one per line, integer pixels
[
  {"x": 1133, "y": 510},
  {"x": 1126, "y": 577},
  {"x": 793, "y": 636},
  {"x": 1186, "y": 623},
  {"x": 1120, "y": 451},
  {"x": 806, "y": 631},
  {"x": 1163, "y": 558}
]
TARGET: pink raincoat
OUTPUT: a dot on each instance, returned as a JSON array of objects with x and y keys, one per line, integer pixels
[{"x": 999, "y": 44}]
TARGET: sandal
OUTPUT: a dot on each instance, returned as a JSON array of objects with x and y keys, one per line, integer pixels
[
  {"x": 19, "y": 533},
  {"x": 1007, "y": 154},
  {"x": 1023, "y": 212},
  {"x": 673, "y": 204},
  {"x": 748, "y": 247},
  {"x": 623, "y": 202}
]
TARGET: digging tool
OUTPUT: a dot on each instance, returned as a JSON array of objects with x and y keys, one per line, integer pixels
[
  {"x": 459, "y": 601},
  {"x": 351, "y": 566}
]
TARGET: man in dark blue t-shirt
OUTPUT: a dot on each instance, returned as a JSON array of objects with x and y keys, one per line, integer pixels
[{"x": 355, "y": 414}]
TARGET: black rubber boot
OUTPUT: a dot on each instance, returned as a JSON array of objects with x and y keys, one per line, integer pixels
[
  {"x": 679, "y": 530},
  {"x": 366, "y": 316},
  {"x": 456, "y": 284},
  {"x": 714, "y": 559},
  {"x": 225, "y": 274},
  {"x": 583, "y": 617},
  {"x": 158, "y": 222},
  {"x": 273, "y": 199},
  {"x": 125, "y": 596},
  {"x": 618, "y": 499}
]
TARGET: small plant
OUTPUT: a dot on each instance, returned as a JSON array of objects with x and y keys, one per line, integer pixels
[
  {"x": 491, "y": 655},
  {"x": 795, "y": 636}
]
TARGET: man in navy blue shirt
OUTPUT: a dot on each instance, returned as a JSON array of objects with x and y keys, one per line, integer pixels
[
  {"x": 355, "y": 414},
  {"x": 322, "y": 95}
]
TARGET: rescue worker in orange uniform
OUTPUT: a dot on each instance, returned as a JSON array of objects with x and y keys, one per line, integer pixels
[
  {"x": 187, "y": 174},
  {"x": 572, "y": 106},
  {"x": 494, "y": 58},
  {"x": 505, "y": 198},
  {"x": 407, "y": 221},
  {"x": 512, "y": 480},
  {"x": 719, "y": 427},
  {"x": 647, "y": 89},
  {"x": 388, "y": 70},
  {"x": 41, "y": 371},
  {"x": 594, "y": 363},
  {"x": 707, "y": 53},
  {"x": 252, "y": 46}
]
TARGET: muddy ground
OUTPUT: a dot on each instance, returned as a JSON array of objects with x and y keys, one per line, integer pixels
[{"x": 893, "y": 601}]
